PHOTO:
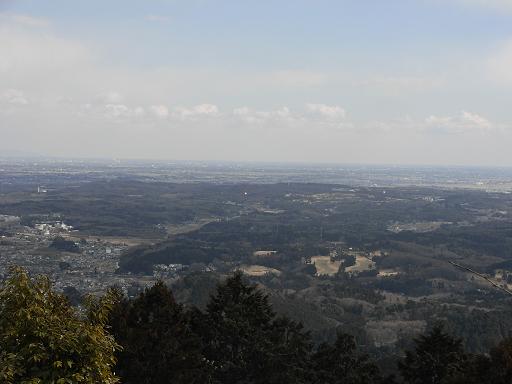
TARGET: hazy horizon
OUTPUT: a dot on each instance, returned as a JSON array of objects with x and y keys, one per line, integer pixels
[
  {"x": 41, "y": 160},
  {"x": 421, "y": 82}
]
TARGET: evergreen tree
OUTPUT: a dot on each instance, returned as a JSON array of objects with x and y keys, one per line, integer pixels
[
  {"x": 290, "y": 350},
  {"x": 437, "y": 358},
  {"x": 477, "y": 370},
  {"x": 245, "y": 341},
  {"x": 501, "y": 362},
  {"x": 44, "y": 340},
  {"x": 158, "y": 344},
  {"x": 340, "y": 363},
  {"x": 496, "y": 368}
]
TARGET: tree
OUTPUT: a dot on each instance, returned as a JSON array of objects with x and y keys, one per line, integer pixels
[
  {"x": 477, "y": 370},
  {"x": 495, "y": 368},
  {"x": 340, "y": 363},
  {"x": 501, "y": 362},
  {"x": 245, "y": 341},
  {"x": 44, "y": 340},
  {"x": 158, "y": 344},
  {"x": 437, "y": 358},
  {"x": 61, "y": 244}
]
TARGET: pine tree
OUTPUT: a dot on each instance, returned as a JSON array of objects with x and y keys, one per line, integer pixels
[
  {"x": 501, "y": 362},
  {"x": 437, "y": 358},
  {"x": 158, "y": 344},
  {"x": 245, "y": 341},
  {"x": 341, "y": 363}
]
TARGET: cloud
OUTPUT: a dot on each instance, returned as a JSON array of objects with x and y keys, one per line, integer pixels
[
  {"x": 139, "y": 112},
  {"x": 13, "y": 96},
  {"x": 254, "y": 117},
  {"x": 126, "y": 112},
  {"x": 250, "y": 116},
  {"x": 206, "y": 109},
  {"x": 76, "y": 91},
  {"x": 111, "y": 112},
  {"x": 29, "y": 54},
  {"x": 312, "y": 117},
  {"x": 117, "y": 110},
  {"x": 111, "y": 97},
  {"x": 464, "y": 122},
  {"x": 327, "y": 111},
  {"x": 200, "y": 110},
  {"x": 160, "y": 111}
]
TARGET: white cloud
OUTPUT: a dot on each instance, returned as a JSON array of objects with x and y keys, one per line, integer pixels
[
  {"x": 139, "y": 112},
  {"x": 111, "y": 97},
  {"x": 39, "y": 67},
  {"x": 242, "y": 111},
  {"x": 117, "y": 110},
  {"x": 206, "y": 109},
  {"x": 160, "y": 111},
  {"x": 283, "y": 112},
  {"x": 280, "y": 115},
  {"x": 27, "y": 54},
  {"x": 250, "y": 116},
  {"x": 13, "y": 96},
  {"x": 327, "y": 111},
  {"x": 196, "y": 111},
  {"x": 310, "y": 118},
  {"x": 464, "y": 122}
]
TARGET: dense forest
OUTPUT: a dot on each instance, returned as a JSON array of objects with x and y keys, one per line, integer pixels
[{"x": 236, "y": 338}]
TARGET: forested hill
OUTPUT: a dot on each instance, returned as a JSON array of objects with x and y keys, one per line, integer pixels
[{"x": 236, "y": 339}]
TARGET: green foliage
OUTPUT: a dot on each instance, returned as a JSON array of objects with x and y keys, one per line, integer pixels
[
  {"x": 159, "y": 346},
  {"x": 501, "y": 363},
  {"x": 237, "y": 339},
  {"x": 44, "y": 340},
  {"x": 494, "y": 368},
  {"x": 437, "y": 358},
  {"x": 247, "y": 343},
  {"x": 61, "y": 244},
  {"x": 340, "y": 363}
]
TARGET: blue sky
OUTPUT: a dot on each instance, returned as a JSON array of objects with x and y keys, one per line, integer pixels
[{"x": 408, "y": 82}]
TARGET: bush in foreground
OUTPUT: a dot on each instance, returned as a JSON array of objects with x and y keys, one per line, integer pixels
[{"x": 45, "y": 340}]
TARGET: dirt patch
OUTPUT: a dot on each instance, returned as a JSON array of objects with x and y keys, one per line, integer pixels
[{"x": 325, "y": 265}]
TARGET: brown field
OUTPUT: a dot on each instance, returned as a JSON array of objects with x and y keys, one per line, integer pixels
[
  {"x": 362, "y": 264},
  {"x": 258, "y": 270},
  {"x": 190, "y": 227},
  {"x": 324, "y": 265}
]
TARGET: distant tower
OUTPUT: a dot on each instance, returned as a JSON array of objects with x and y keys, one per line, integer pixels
[{"x": 38, "y": 189}]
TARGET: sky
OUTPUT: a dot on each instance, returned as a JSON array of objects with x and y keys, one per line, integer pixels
[{"x": 310, "y": 81}]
